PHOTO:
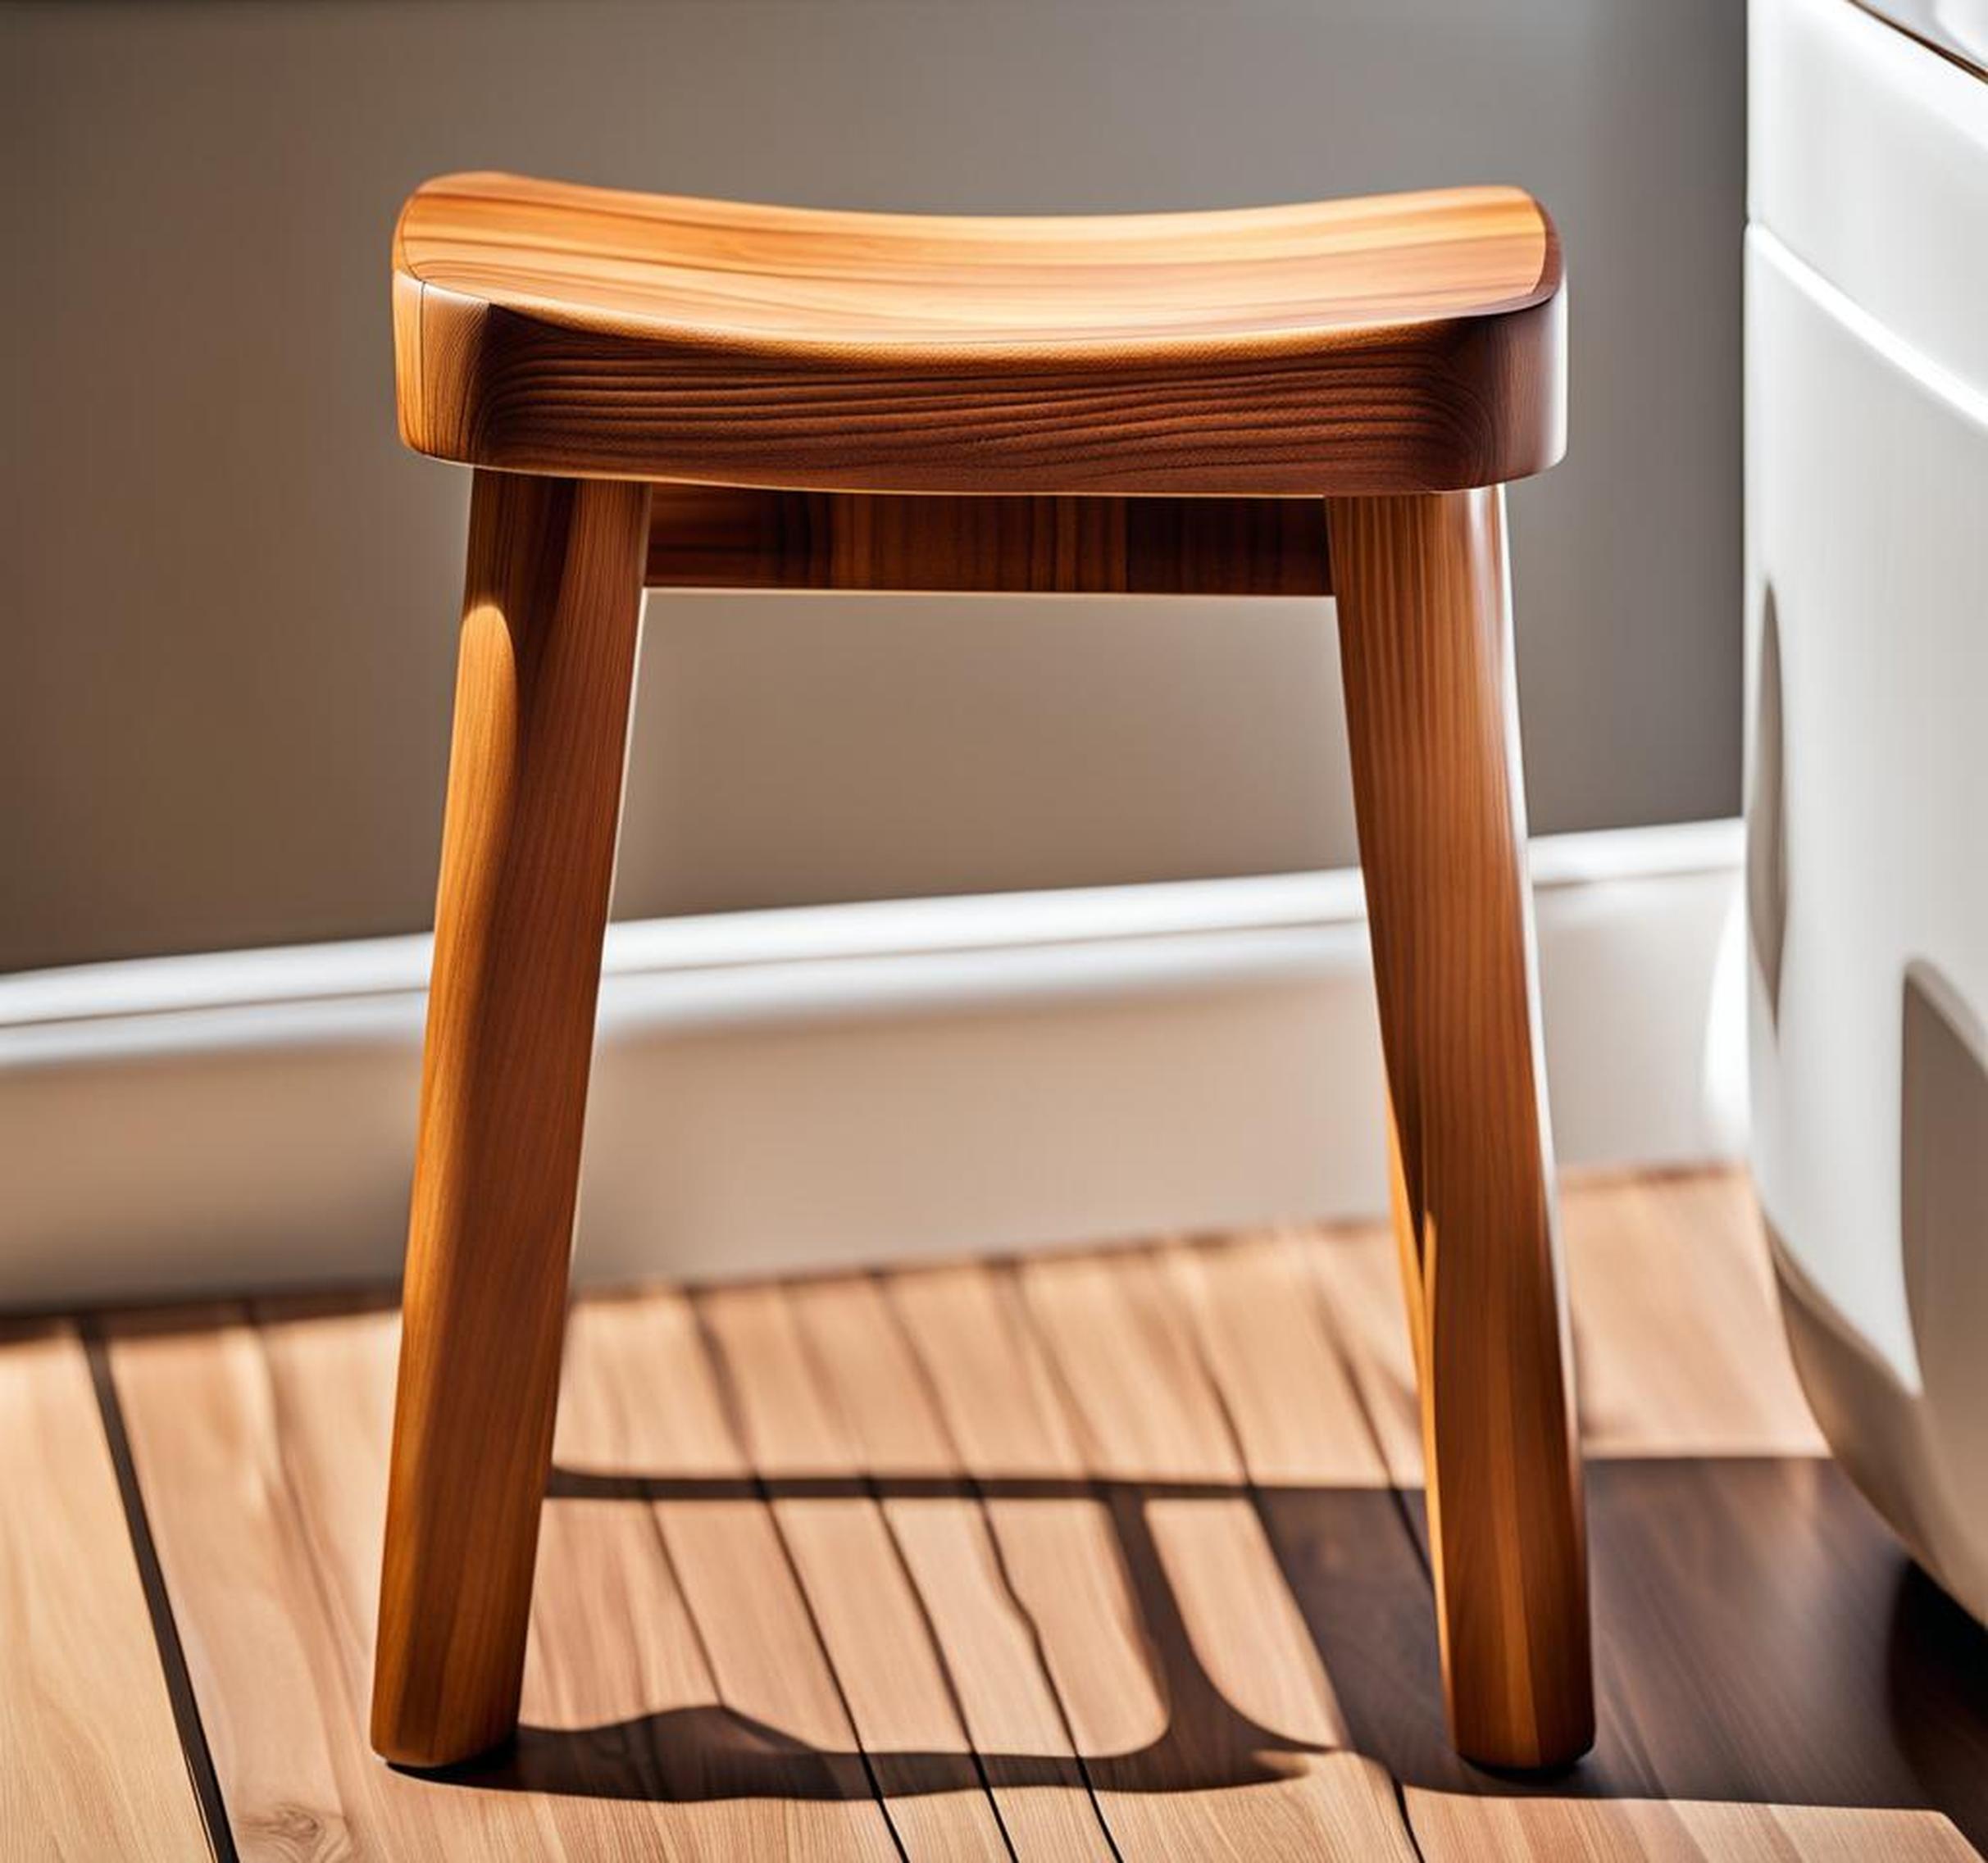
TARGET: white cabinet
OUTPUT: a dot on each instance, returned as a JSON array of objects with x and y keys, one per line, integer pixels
[{"x": 1867, "y": 281}]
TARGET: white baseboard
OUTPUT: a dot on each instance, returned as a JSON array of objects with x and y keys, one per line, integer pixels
[{"x": 844, "y": 1084}]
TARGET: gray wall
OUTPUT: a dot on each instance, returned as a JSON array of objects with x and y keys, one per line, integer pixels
[{"x": 228, "y": 597}]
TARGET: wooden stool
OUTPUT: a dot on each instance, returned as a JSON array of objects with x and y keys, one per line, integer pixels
[{"x": 682, "y": 393}]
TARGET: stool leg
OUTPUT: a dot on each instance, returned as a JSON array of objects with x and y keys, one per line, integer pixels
[
  {"x": 1426, "y": 638},
  {"x": 548, "y": 654}
]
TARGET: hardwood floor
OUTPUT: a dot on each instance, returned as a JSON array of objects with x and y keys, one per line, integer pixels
[
  {"x": 1111, "y": 1554},
  {"x": 89, "y": 1755}
]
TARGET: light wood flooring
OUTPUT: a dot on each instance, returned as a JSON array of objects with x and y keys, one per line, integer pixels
[{"x": 1109, "y": 1555}]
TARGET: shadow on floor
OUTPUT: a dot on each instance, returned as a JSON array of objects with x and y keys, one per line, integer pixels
[
  {"x": 1759, "y": 1638},
  {"x": 1209, "y": 1744}
]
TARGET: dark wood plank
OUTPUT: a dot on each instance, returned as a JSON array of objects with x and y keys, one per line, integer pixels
[
  {"x": 725, "y": 536},
  {"x": 1759, "y": 1635}
]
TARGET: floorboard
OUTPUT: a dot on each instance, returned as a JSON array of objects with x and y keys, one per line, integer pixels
[
  {"x": 1257, "y": 1734},
  {"x": 90, "y": 1759},
  {"x": 1054, "y": 1536},
  {"x": 1678, "y": 1344},
  {"x": 939, "y": 1528},
  {"x": 876, "y": 1636},
  {"x": 262, "y": 1451},
  {"x": 1104, "y": 1555},
  {"x": 1760, "y": 1636},
  {"x": 1342, "y": 1534},
  {"x": 1451, "y": 1828},
  {"x": 772, "y": 1728},
  {"x": 1677, "y": 1340}
]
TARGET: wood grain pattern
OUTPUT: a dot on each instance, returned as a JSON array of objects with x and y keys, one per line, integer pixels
[
  {"x": 90, "y": 1761},
  {"x": 725, "y": 537},
  {"x": 1452, "y": 1829},
  {"x": 1059, "y": 1552},
  {"x": 1681, "y": 1351},
  {"x": 550, "y": 614},
  {"x": 1252, "y": 1710},
  {"x": 1425, "y": 647},
  {"x": 873, "y": 1628},
  {"x": 1678, "y": 1341},
  {"x": 1758, "y": 1636},
  {"x": 776, "y": 1741},
  {"x": 614, "y": 1663},
  {"x": 1405, "y": 343},
  {"x": 263, "y": 1446},
  {"x": 264, "y": 1656},
  {"x": 885, "y": 1413},
  {"x": 1769, "y": 1664}
]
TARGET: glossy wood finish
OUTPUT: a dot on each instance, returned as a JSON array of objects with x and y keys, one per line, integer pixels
[
  {"x": 1405, "y": 343},
  {"x": 724, "y": 536},
  {"x": 1773, "y": 1670},
  {"x": 1380, "y": 347},
  {"x": 1425, "y": 644},
  {"x": 550, "y": 614},
  {"x": 90, "y": 1762}
]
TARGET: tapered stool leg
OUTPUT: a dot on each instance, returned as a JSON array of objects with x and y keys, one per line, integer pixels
[
  {"x": 550, "y": 614},
  {"x": 1426, "y": 638}
]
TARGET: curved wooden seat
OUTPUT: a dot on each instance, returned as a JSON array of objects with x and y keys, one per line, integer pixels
[{"x": 1408, "y": 342}]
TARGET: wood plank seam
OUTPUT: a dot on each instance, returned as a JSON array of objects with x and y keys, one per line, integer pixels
[
  {"x": 971, "y": 1484},
  {"x": 734, "y": 1414},
  {"x": 1320, "y": 1309},
  {"x": 194, "y": 1748},
  {"x": 1126, "y": 1501},
  {"x": 1324, "y": 1308},
  {"x": 1808, "y": 1773},
  {"x": 1408, "y": 1820},
  {"x": 872, "y": 1488},
  {"x": 290, "y": 1491}
]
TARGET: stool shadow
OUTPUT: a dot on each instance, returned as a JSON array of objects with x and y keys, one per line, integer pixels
[
  {"x": 710, "y": 1751},
  {"x": 1759, "y": 1638}
]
